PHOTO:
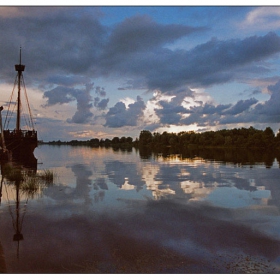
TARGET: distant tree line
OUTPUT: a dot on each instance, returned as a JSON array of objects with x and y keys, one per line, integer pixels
[
  {"x": 237, "y": 137},
  {"x": 230, "y": 138},
  {"x": 95, "y": 142}
]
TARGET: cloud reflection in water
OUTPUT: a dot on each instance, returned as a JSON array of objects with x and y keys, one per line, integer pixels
[{"x": 120, "y": 210}]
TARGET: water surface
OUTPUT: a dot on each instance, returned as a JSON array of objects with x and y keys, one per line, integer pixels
[{"x": 137, "y": 212}]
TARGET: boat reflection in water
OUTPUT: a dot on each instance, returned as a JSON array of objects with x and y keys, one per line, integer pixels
[{"x": 20, "y": 184}]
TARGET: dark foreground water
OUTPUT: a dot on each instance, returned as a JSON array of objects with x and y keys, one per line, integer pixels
[{"x": 129, "y": 212}]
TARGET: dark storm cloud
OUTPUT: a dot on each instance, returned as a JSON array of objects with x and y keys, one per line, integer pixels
[
  {"x": 210, "y": 63},
  {"x": 213, "y": 62},
  {"x": 141, "y": 33},
  {"x": 61, "y": 40},
  {"x": 69, "y": 42},
  {"x": 119, "y": 115},
  {"x": 135, "y": 48}
]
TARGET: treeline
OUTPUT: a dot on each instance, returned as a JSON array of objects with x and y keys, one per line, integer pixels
[
  {"x": 231, "y": 138},
  {"x": 237, "y": 137},
  {"x": 95, "y": 142}
]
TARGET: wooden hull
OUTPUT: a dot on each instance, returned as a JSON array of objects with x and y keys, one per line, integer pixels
[{"x": 21, "y": 144}]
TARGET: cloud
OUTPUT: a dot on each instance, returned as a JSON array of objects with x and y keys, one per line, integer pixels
[
  {"x": 216, "y": 61},
  {"x": 83, "y": 113},
  {"x": 241, "y": 106},
  {"x": 178, "y": 111},
  {"x": 119, "y": 115},
  {"x": 67, "y": 94},
  {"x": 59, "y": 95},
  {"x": 266, "y": 18},
  {"x": 213, "y": 62},
  {"x": 101, "y": 104},
  {"x": 136, "y": 46},
  {"x": 212, "y": 109},
  {"x": 170, "y": 112},
  {"x": 269, "y": 111},
  {"x": 62, "y": 95},
  {"x": 60, "y": 41},
  {"x": 66, "y": 48},
  {"x": 140, "y": 33},
  {"x": 68, "y": 42},
  {"x": 243, "y": 111},
  {"x": 134, "y": 84},
  {"x": 29, "y": 12},
  {"x": 100, "y": 91}
]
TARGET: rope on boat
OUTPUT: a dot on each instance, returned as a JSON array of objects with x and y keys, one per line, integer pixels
[
  {"x": 28, "y": 121},
  {"x": 10, "y": 112},
  {"x": 29, "y": 110}
]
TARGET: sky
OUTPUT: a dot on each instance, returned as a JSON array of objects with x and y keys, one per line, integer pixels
[{"x": 106, "y": 71}]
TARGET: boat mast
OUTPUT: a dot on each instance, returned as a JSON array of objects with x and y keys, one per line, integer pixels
[
  {"x": 19, "y": 68},
  {"x": 1, "y": 130}
]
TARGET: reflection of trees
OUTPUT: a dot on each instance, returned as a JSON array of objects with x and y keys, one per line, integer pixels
[
  {"x": 145, "y": 152},
  {"x": 235, "y": 156},
  {"x": 3, "y": 268},
  {"x": 122, "y": 149}
]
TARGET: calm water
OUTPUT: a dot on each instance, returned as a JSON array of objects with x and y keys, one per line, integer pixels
[{"x": 124, "y": 212}]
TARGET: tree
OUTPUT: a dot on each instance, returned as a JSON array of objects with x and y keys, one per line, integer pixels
[
  {"x": 123, "y": 139},
  {"x": 218, "y": 139},
  {"x": 228, "y": 141},
  {"x": 268, "y": 137},
  {"x": 145, "y": 137},
  {"x": 115, "y": 140},
  {"x": 277, "y": 138}
]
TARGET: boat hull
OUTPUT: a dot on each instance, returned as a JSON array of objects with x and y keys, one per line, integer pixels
[{"x": 21, "y": 144}]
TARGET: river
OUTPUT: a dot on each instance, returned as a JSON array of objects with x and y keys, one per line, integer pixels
[{"x": 123, "y": 211}]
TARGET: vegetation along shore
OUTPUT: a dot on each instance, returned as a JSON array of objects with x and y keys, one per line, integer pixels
[{"x": 249, "y": 138}]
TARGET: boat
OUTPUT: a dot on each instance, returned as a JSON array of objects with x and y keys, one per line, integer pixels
[
  {"x": 5, "y": 154},
  {"x": 22, "y": 140}
]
